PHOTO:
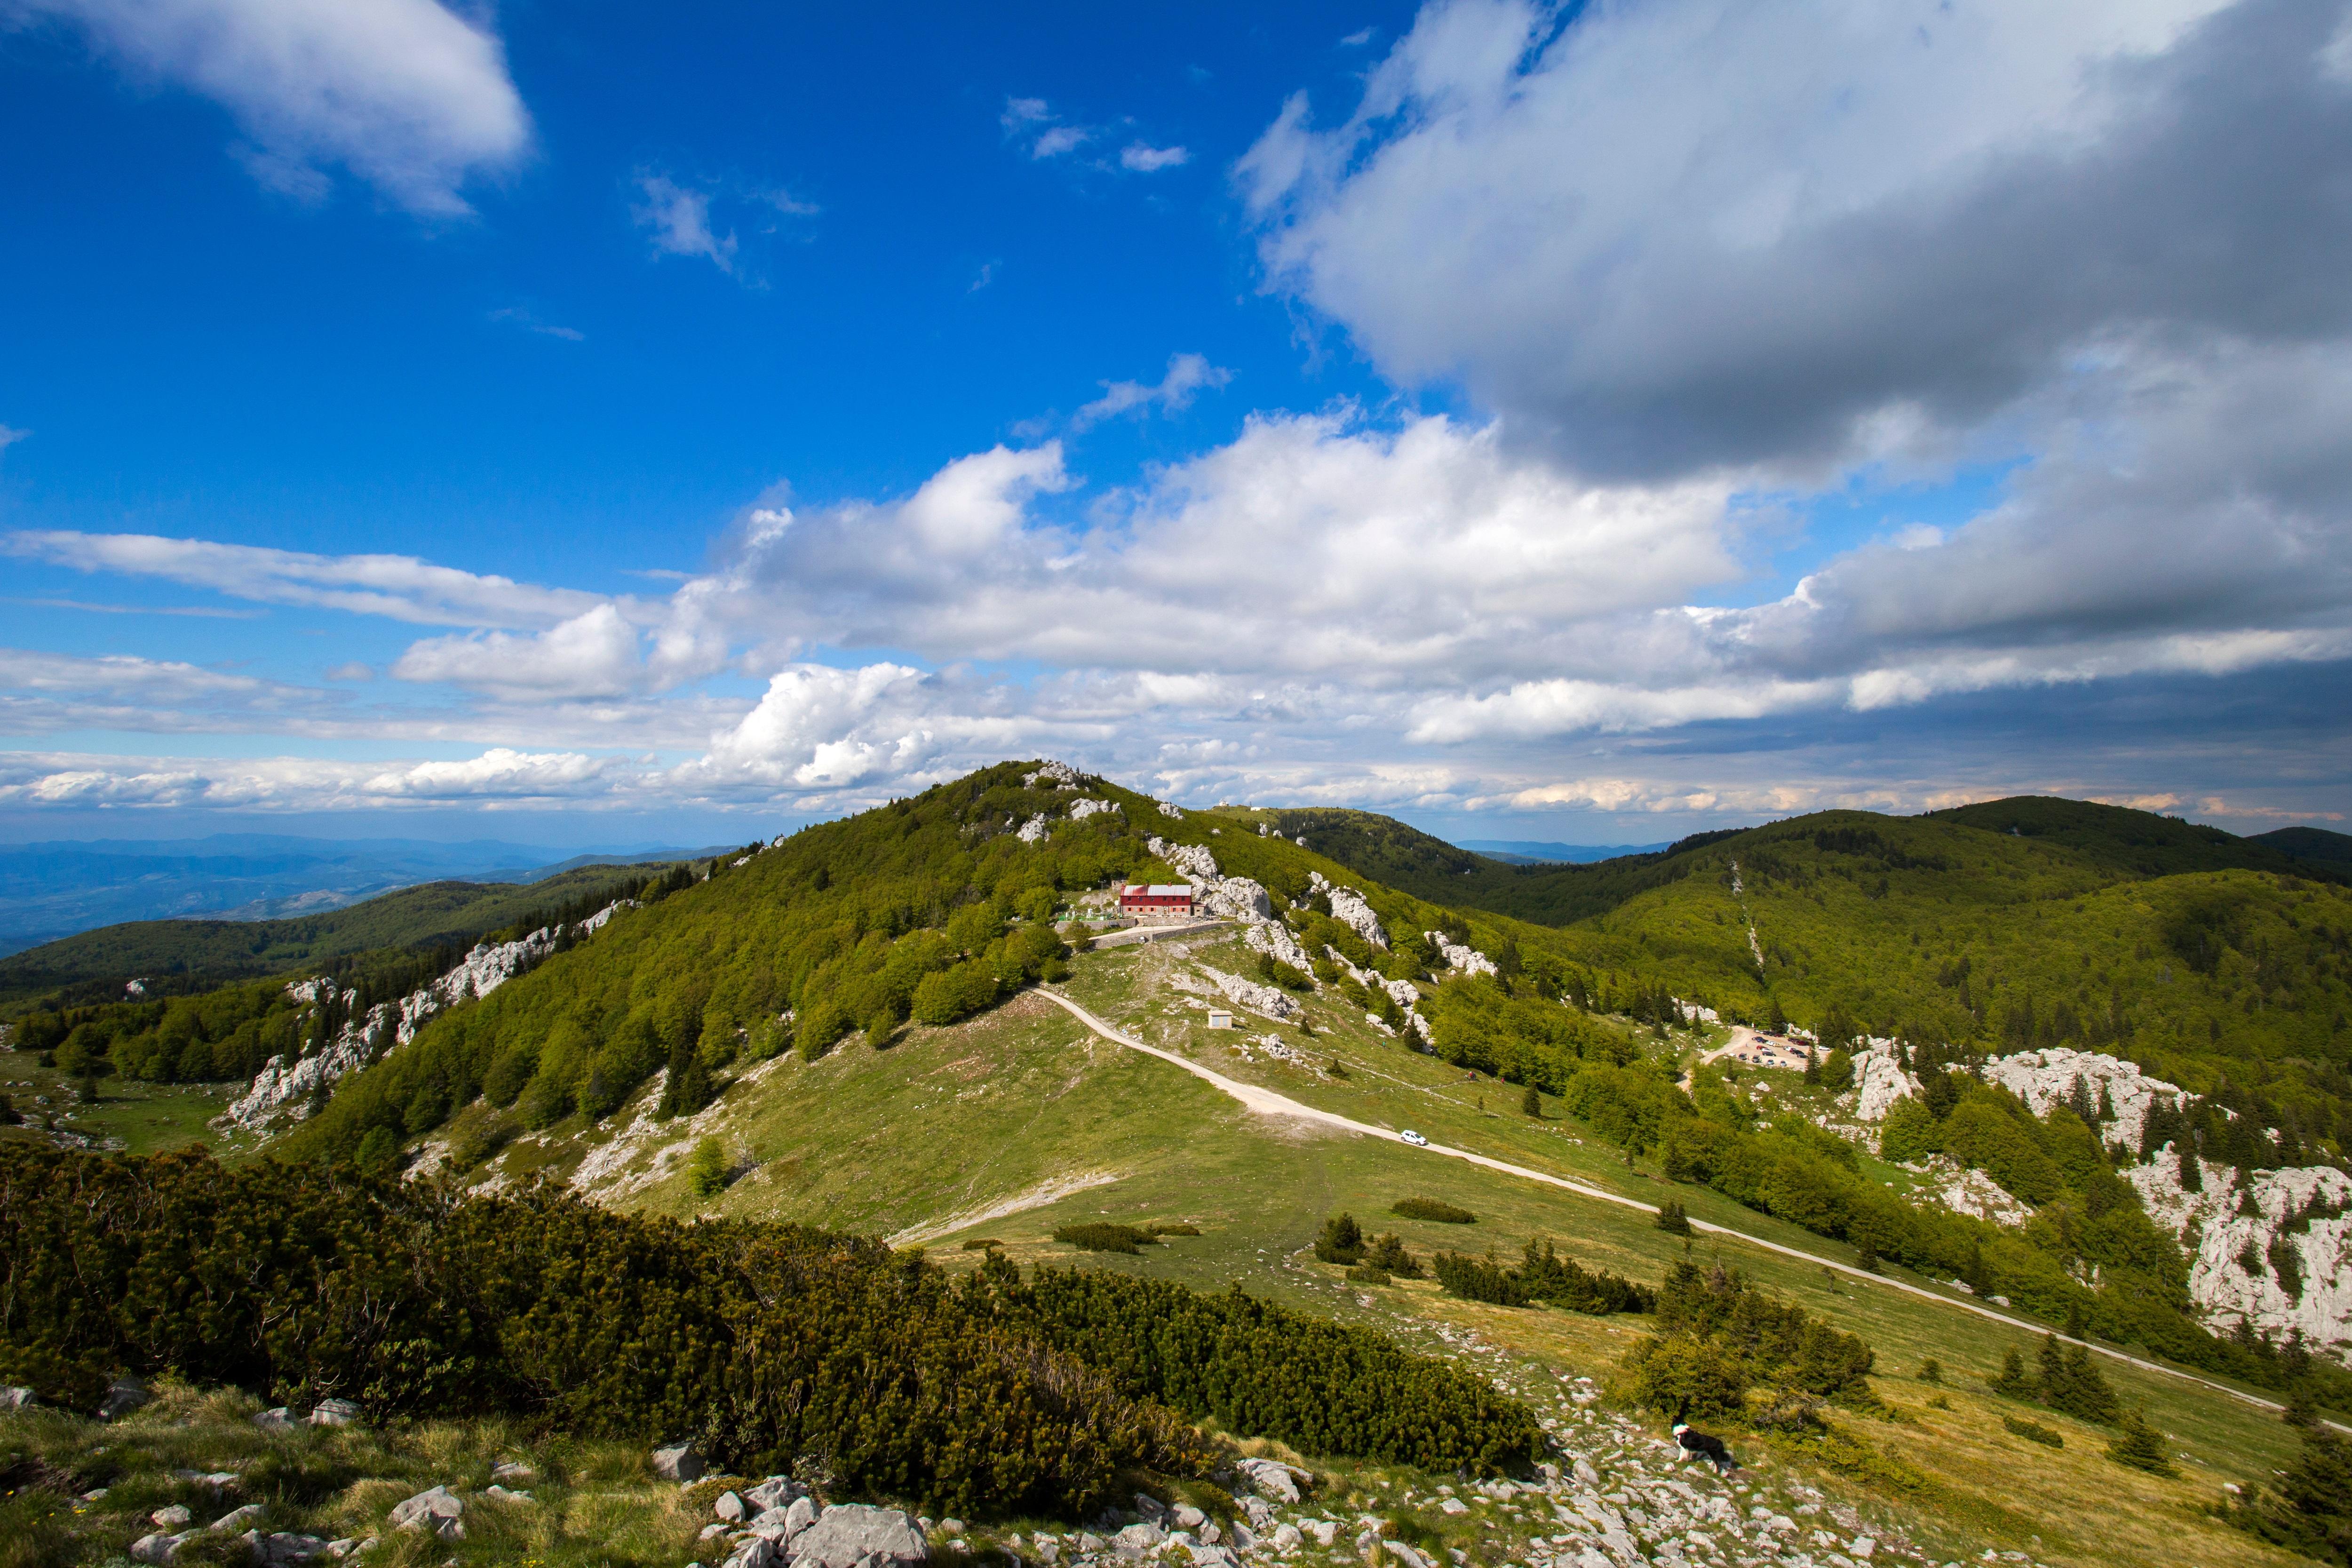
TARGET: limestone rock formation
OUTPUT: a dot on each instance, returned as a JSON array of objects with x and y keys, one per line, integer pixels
[
  {"x": 1274, "y": 939},
  {"x": 2046, "y": 1078},
  {"x": 2298, "y": 1242},
  {"x": 1468, "y": 960},
  {"x": 1880, "y": 1079},
  {"x": 1348, "y": 907},
  {"x": 287, "y": 1088}
]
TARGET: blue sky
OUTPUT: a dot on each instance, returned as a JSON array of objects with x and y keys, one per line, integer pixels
[{"x": 583, "y": 423}]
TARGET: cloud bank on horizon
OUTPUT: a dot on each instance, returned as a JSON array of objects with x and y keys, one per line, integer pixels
[{"x": 1640, "y": 289}]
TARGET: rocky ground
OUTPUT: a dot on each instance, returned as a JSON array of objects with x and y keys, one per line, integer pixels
[{"x": 185, "y": 1477}]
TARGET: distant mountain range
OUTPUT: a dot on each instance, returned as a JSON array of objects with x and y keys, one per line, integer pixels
[
  {"x": 1526, "y": 852},
  {"x": 58, "y": 888}
]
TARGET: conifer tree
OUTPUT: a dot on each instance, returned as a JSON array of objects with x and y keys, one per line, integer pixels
[
  {"x": 2011, "y": 1382},
  {"x": 2141, "y": 1445},
  {"x": 1342, "y": 1240},
  {"x": 1531, "y": 1102}
]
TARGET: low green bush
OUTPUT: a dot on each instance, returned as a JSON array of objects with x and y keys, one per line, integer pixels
[
  {"x": 1433, "y": 1210},
  {"x": 2033, "y": 1432},
  {"x": 1102, "y": 1236},
  {"x": 1542, "y": 1274}
]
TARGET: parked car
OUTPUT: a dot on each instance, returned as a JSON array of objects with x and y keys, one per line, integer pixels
[{"x": 1415, "y": 1139}]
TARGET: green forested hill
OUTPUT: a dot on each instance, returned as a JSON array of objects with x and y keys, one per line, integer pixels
[
  {"x": 932, "y": 908},
  {"x": 1547, "y": 893},
  {"x": 2312, "y": 844},
  {"x": 194, "y": 954},
  {"x": 2216, "y": 962},
  {"x": 2133, "y": 843}
]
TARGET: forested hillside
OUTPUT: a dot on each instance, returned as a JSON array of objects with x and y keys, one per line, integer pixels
[
  {"x": 2214, "y": 962},
  {"x": 189, "y": 955},
  {"x": 1547, "y": 893}
]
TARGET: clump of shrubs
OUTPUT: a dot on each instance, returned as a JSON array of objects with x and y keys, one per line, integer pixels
[
  {"x": 1673, "y": 1218},
  {"x": 1721, "y": 1340},
  {"x": 1273, "y": 971},
  {"x": 1003, "y": 1398},
  {"x": 1433, "y": 1210},
  {"x": 1343, "y": 1242},
  {"x": 2033, "y": 1432},
  {"x": 1104, "y": 1236},
  {"x": 1542, "y": 1276},
  {"x": 2069, "y": 1383}
]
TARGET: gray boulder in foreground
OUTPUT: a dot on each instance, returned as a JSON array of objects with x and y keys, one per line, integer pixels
[
  {"x": 776, "y": 1492},
  {"x": 439, "y": 1511},
  {"x": 123, "y": 1396},
  {"x": 678, "y": 1461},
  {"x": 845, "y": 1533},
  {"x": 15, "y": 1398}
]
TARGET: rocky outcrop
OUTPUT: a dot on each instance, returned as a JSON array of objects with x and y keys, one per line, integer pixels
[
  {"x": 286, "y": 1088},
  {"x": 1193, "y": 859},
  {"x": 1880, "y": 1079},
  {"x": 1976, "y": 1195},
  {"x": 1061, "y": 775},
  {"x": 1034, "y": 830},
  {"x": 1237, "y": 899},
  {"x": 2285, "y": 1266},
  {"x": 1274, "y": 939},
  {"x": 1270, "y": 1000},
  {"x": 1219, "y": 896},
  {"x": 2044, "y": 1078},
  {"x": 1348, "y": 907},
  {"x": 1466, "y": 960},
  {"x": 1082, "y": 809}
]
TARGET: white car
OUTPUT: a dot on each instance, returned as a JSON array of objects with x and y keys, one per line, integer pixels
[{"x": 1415, "y": 1139}]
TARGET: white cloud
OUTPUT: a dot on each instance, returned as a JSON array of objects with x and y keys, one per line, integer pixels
[
  {"x": 1187, "y": 374},
  {"x": 9, "y": 437},
  {"x": 594, "y": 654},
  {"x": 407, "y": 95},
  {"x": 678, "y": 219},
  {"x": 495, "y": 779},
  {"x": 1146, "y": 159},
  {"x": 1668, "y": 237},
  {"x": 1061, "y": 139},
  {"x": 400, "y": 587},
  {"x": 530, "y": 322}
]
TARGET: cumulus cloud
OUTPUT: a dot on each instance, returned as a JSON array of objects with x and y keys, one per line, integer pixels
[
  {"x": 406, "y": 94},
  {"x": 497, "y": 778},
  {"x": 1145, "y": 159},
  {"x": 1675, "y": 236},
  {"x": 1187, "y": 374},
  {"x": 594, "y": 653}
]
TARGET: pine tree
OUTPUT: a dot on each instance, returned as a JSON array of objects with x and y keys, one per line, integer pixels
[
  {"x": 1531, "y": 1102},
  {"x": 1865, "y": 1257},
  {"x": 1342, "y": 1240},
  {"x": 706, "y": 1170},
  {"x": 2192, "y": 1169},
  {"x": 1673, "y": 1218},
  {"x": 2141, "y": 1445},
  {"x": 2012, "y": 1382}
]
